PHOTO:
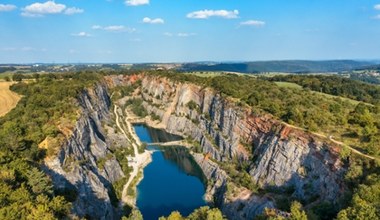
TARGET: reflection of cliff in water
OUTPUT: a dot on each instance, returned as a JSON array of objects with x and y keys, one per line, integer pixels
[
  {"x": 160, "y": 135},
  {"x": 182, "y": 158}
]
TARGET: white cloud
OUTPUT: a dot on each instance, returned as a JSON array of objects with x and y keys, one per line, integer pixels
[
  {"x": 136, "y": 2},
  {"x": 7, "y": 7},
  {"x": 204, "y": 14},
  {"x": 377, "y": 7},
  {"x": 153, "y": 21},
  {"x": 254, "y": 23},
  {"x": 186, "y": 34},
  {"x": 168, "y": 34},
  {"x": 73, "y": 10},
  {"x": 114, "y": 28},
  {"x": 377, "y": 17},
  {"x": 96, "y": 27},
  {"x": 50, "y": 7},
  {"x": 81, "y": 34},
  {"x": 38, "y": 9}
]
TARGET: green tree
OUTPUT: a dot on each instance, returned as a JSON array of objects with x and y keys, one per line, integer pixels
[
  {"x": 17, "y": 77},
  {"x": 360, "y": 210},
  {"x": 39, "y": 182},
  {"x": 173, "y": 216},
  {"x": 135, "y": 215},
  {"x": 296, "y": 212},
  {"x": 365, "y": 203},
  {"x": 36, "y": 76}
]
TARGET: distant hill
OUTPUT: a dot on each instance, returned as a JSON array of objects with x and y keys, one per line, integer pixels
[
  {"x": 290, "y": 66},
  {"x": 372, "y": 67}
]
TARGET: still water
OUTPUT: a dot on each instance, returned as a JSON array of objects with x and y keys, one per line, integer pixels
[{"x": 173, "y": 181}]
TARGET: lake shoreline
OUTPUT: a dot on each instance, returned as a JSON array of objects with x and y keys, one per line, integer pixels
[{"x": 174, "y": 170}]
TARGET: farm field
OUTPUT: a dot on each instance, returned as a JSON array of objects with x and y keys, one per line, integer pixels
[{"x": 8, "y": 99}]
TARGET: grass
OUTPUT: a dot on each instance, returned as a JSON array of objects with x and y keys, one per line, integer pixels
[
  {"x": 288, "y": 85},
  {"x": 205, "y": 74},
  {"x": 336, "y": 132},
  {"x": 8, "y": 99},
  {"x": 3, "y": 75},
  {"x": 217, "y": 73},
  {"x": 296, "y": 86},
  {"x": 131, "y": 191},
  {"x": 351, "y": 101}
]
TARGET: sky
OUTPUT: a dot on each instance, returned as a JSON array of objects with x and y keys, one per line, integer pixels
[{"x": 139, "y": 31}]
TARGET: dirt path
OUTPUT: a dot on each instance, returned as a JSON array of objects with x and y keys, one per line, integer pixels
[
  {"x": 139, "y": 160},
  {"x": 334, "y": 141},
  {"x": 8, "y": 99}
]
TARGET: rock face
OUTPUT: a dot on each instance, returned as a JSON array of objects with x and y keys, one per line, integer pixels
[
  {"x": 279, "y": 155},
  {"x": 75, "y": 168}
]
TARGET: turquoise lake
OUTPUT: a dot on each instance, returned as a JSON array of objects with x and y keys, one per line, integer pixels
[{"x": 172, "y": 181}]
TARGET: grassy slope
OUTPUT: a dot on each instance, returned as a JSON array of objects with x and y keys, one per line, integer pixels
[{"x": 8, "y": 99}]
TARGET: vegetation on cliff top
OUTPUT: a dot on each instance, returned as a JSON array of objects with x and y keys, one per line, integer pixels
[
  {"x": 355, "y": 124},
  {"x": 335, "y": 85},
  {"x": 47, "y": 106}
]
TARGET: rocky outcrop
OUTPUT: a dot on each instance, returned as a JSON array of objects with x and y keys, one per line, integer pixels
[
  {"x": 76, "y": 166},
  {"x": 278, "y": 155},
  {"x": 235, "y": 202}
]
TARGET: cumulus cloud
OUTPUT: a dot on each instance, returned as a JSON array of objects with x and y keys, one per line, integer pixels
[
  {"x": 50, "y": 7},
  {"x": 136, "y": 2},
  {"x": 153, "y": 21},
  {"x": 81, "y": 34},
  {"x": 7, "y": 7},
  {"x": 114, "y": 28},
  {"x": 377, "y": 7},
  {"x": 254, "y": 23},
  {"x": 204, "y": 14}
]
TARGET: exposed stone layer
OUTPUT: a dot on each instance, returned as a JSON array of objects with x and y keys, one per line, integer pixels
[
  {"x": 278, "y": 154},
  {"x": 76, "y": 166}
]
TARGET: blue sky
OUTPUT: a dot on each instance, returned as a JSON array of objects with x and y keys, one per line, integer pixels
[{"x": 132, "y": 31}]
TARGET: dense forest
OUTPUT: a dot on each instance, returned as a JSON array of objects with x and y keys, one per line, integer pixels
[{"x": 25, "y": 190}]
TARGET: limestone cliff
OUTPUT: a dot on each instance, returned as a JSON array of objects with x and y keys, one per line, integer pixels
[
  {"x": 278, "y": 155},
  {"x": 76, "y": 166}
]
